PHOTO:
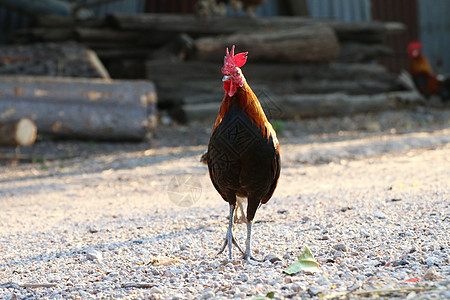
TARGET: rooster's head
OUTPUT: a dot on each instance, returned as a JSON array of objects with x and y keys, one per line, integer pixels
[
  {"x": 232, "y": 74},
  {"x": 414, "y": 49}
]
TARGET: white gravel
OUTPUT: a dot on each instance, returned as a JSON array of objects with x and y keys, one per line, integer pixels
[{"x": 106, "y": 228}]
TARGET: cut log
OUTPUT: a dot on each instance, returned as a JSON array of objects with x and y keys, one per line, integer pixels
[
  {"x": 315, "y": 43},
  {"x": 18, "y": 133},
  {"x": 171, "y": 23},
  {"x": 358, "y": 53},
  {"x": 313, "y": 106},
  {"x": 81, "y": 108},
  {"x": 340, "y": 104}
]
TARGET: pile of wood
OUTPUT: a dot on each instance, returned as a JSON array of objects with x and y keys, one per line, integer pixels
[
  {"x": 284, "y": 90},
  {"x": 142, "y": 36},
  {"x": 80, "y": 108},
  {"x": 288, "y": 57}
]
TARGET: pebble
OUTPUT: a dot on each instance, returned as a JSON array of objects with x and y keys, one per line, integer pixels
[
  {"x": 431, "y": 274},
  {"x": 297, "y": 287},
  {"x": 272, "y": 258},
  {"x": 378, "y": 214},
  {"x": 208, "y": 294},
  {"x": 94, "y": 255},
  {"x": 242, "y": 277},
  {"x": 432, "y": 261},
  {"x": 340, "y": 247},
  {"x": 322, "y": 280},
  {"x": 155, "y": 290},
  {"x": 314, "y": 290}
]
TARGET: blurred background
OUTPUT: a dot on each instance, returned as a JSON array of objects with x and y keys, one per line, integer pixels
[
  {"x": 118, "y": 69},
  {"x": 426, "y": 20}
]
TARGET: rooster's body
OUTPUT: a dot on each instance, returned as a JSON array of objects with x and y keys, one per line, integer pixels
[
  {"x": 426, "y": 81},
  {"x": 243, "y": 153}
]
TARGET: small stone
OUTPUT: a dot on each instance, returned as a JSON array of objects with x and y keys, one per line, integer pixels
[
  {"x": 177, "y": 297},
  {"x": 402, "y": 262},
  {"x": 340, "y": 247},
  {"x": 155, "y": 290},
  {"x": 208, "y": 294},
  {"x": 411, "y": 295},
  {"x": 94, "y": 255},
  {"x": 365, "y": 234},
  {"x": 432, "y": 261},
  {"x": 243, "y": 277},
  {"x": 314, "y": 290},
  {"x": 322, "y": 280},
  {"x": 93, "y": 229},
  {"x": 272, "y": 258},
  {"x": 297, "y": 287},
  {"x": 378, "y": 214},
  {"x": 431, "y": 274}
]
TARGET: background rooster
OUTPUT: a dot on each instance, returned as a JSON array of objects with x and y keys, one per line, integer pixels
[
  {"x": 426, "y": 81},
  {"x": 243, "y": 152}
]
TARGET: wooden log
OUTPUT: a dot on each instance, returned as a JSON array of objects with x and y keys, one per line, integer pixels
[
  {"x": 81, "y": 108},
  {"x": 18, "y": 133},
  {"x": 312, "y": 106},
  {"x": 49, "y": 59},
  {"x": 107, "y": 34},
  {"x": 184, "y": 83},
  {"x": 217, "y": 25},
  {"x": 315, "y": 43},
  {"x": 340, "y": 104},
  {"x": 201, "y": 70},
  {"x": 351, "y": 52}
]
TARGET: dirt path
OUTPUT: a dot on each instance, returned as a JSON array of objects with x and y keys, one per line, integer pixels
[{"x": 373, "y": 210}]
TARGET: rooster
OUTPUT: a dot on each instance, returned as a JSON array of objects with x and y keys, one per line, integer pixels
[
  {"x": 243, "y": 154},
  {"x": 426, "y": 81}
]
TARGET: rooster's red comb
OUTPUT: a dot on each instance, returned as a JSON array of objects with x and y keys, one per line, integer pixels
[
  {"x": 232, "y": 61},
  {"x": 414, "y": 45}
]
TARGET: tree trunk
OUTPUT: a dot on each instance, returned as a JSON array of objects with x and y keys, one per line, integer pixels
[
  {"x": 18, "y": 133},
  {"x": 81, "y": 108},
  {"x": 315, "y": 43}
]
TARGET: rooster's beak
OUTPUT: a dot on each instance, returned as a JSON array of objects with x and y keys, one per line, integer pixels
[{"x": 226, "y": 77}]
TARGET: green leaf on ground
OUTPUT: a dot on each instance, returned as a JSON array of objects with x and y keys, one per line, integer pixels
[
  {"x": 306, "y": 262},
  {"x": 269, "y": 295}
]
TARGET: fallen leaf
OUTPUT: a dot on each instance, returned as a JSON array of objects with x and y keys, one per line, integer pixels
[{"x": 305, "y": 262}]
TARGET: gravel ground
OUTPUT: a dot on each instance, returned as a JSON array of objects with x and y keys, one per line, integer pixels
[{"x": 118, "y": 222}]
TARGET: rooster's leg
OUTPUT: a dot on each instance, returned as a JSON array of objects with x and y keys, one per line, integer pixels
[
  {"x": 229, "y": 238},
  {"x": 248, "y": 254}
]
